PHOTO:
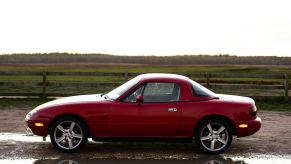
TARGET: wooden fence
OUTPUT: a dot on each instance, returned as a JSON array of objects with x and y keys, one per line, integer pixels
[{"x": 206, "y": 79}]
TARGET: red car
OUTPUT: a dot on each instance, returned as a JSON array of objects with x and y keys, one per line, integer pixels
[{"x": 149, "y": 106}]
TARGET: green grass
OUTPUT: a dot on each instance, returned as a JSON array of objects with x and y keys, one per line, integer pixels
[
  {"x": 151, "y": 68},
  {"x": 250, "y": 92},
  {"x": 21, "y": 102},
  {"x": 138, "y": 69},
  {"x": 274, "y": 105},
  {"x": 9, "y": 103},
  {"x": 178, "y": 69}
]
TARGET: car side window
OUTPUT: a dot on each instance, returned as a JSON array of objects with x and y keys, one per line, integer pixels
[
  {"x": 132, "y": 97},
  {"x": 161, "y": 92},
  {"x": 199, "y": 91}
]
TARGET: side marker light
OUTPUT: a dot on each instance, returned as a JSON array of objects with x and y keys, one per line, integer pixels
[
  {"x": 243, "y": 125},
  {"x": 39, "y": 124}
]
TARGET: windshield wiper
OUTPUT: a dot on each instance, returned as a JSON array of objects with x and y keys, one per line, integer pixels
[
  {"x": 215, "y": 97},
  {"x": 105, "y": 95}
]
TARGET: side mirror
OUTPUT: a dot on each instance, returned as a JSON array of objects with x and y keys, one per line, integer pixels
[{"x": 139, "y": 99}]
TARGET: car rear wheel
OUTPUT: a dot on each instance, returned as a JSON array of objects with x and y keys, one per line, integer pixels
[
  {"x": 68, "y": 134},
  {"x": 213, "y": 136}
]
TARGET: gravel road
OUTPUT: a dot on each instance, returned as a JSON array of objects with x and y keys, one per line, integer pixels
[{"x": 271, "y": 142}]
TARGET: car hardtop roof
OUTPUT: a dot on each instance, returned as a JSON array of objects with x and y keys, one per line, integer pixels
[{"x": 153, "y": 76}]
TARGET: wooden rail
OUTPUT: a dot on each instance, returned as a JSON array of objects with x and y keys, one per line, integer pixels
[{"x": 207, "y": 79}]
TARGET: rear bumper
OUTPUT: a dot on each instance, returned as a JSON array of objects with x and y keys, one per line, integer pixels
[{"x": 252, "y": 127}]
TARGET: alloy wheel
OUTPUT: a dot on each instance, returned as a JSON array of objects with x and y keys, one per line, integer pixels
[
  {"x": 68, "y": 135},
  {"x": 214, "y": 136}
]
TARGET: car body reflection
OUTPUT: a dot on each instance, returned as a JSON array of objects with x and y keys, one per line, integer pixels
[{"x": 202, "y": 160}]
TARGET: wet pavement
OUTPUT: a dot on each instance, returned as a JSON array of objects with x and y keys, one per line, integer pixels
[
  {"x": 215, "y": 160},
  {"x": 19, "y": 148}
]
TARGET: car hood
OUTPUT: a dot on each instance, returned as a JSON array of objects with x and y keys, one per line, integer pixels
[
  {"x": 72, "y": 100},
  {"x": 236, "y": 99}
]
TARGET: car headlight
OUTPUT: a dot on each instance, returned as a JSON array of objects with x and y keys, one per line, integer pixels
[
  {"x": 28, "y": 116},
  {"x": 253, "y": 110}
]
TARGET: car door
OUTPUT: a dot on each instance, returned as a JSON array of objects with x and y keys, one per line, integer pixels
[
  {"x": 124, "y": 116},
  {"x": 160, "y": 113},
  {"x": 123, "y": 119},
  {"x": 158, "y": 116}
]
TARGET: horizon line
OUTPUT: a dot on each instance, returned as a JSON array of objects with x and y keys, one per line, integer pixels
[{"x": 137, "y": 55}]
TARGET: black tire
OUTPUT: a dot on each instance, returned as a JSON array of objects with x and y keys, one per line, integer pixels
[
  {"x": 220, "y": 137},
  {"x": 68, "y": 134}
]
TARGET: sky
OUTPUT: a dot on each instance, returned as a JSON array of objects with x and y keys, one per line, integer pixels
[{"x": 146, "y": 27}]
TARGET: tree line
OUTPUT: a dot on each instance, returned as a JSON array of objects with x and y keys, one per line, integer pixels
[{"x": 47, "y": 58}]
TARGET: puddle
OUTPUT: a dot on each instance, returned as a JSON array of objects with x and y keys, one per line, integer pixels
[
  {"x": 21, "y": 137},
  {"x": 23, "y": 149},
  {"x": 205, "y": 160}
]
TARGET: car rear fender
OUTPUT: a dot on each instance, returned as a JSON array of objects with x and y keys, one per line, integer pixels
[{"x": 217, "y": 116}]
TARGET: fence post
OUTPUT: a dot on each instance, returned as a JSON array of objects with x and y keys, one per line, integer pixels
[
  {"x": 286, "y": 87},
  {"x": 44, "y": 84},
  {"x": 215, "y": 85},
  {"x": 126, "y": 76},
  {"x": 207, "y": 79}
]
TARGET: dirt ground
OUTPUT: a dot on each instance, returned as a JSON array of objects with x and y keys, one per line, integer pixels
[
  {"x": 12, "y": 120},
  {"x": 272, "y": 139}
]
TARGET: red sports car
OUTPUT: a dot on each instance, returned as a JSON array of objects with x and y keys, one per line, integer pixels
[{"x": 149, "y": 106}]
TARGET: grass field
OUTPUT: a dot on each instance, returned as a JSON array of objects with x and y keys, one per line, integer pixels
[
  {"x": 149, "y": 68},
  {"x": 10, "y": 103},
  {"x": 182, "y": 69},
  {"x": 32, "y": 102}
]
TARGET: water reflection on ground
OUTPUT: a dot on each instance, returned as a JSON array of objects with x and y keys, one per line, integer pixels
[
  {"x": 209, "y": 160},
  {"x": 204, "y": 160},
  {"x": 21, "y": 149}
]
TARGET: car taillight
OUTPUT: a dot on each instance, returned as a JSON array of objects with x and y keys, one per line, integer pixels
[{"x": 253, "y": 110}]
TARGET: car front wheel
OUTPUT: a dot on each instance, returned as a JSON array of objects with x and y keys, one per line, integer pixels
[
  {"x": 68, "y": 134},
  {"x": 213, "y": 136}
]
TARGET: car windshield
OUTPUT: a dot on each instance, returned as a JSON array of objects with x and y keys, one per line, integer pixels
[
  {"x": 199, "y": 90},
  {"x": 115, "y": 93}
]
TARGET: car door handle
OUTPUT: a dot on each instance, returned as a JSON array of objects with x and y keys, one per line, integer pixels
[{"x": 172, "y": 109}]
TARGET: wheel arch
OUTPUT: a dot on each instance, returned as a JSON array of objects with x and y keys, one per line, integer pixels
[
  {"x": 70, "y": 115},
  {"x": 216, "y": 116}
]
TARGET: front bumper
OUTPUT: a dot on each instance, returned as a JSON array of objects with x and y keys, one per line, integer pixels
[
  {"x": 37, "y": 130},
  {"x": 252, "y": 127}
]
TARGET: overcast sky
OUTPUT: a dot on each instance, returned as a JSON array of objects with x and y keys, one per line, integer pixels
[{"x": 146, "y": 27}]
